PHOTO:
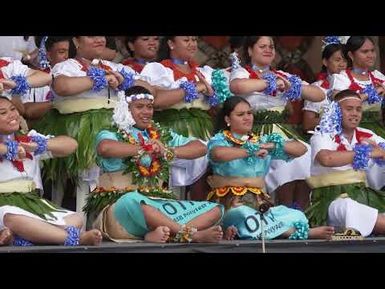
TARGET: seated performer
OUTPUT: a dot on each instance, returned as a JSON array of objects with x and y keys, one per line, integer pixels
[
  {"x": 240, "y": 160},
  {"x": 341, "y": 153},
  {"x": 30, "y": 218},
  {"x": 130, "y": 201}
]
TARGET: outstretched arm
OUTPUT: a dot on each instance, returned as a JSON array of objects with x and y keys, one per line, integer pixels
[
  {"x": 62, "y": 146},
  {"x": 192, "y": 150},
  {"x": 295, "y": 148},
  {"x": 247, "y": 86},
  {"x": 313, "y": 93},
  {"x": 116, "y": 149}
]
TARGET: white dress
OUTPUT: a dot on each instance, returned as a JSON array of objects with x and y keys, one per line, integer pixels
[
  {"x": 345, "y": 212},
  {"x": 9, "y": 68},
  {"x": 31, "y": 172}
]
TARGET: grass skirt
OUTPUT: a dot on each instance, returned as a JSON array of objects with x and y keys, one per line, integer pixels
[
  {"x": 82, "y": 126},
  {"x": 187, "y": 122},
  {"x": 321, "y": 198}
]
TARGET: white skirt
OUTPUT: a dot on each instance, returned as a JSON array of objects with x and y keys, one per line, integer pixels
[
  {"x": 376, "y": 177},
  {"x": 347, "y": 213},
  {"x": 59, "y": 221},
  {"x": 282, "y": 172}
]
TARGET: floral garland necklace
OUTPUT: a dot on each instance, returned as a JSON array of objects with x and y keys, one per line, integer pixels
[
  {"x": 253, "y": 138},
  {"x": 148, "y": 169}
]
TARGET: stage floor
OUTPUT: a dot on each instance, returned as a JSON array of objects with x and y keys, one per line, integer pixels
[{"x": 368, "y": 245}]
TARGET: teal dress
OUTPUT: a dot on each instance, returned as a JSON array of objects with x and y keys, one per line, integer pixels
[
  {"x": 247, "y": 220},
  {"x": 127, "y": 209}
]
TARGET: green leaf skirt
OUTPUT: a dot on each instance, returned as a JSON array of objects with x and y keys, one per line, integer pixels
[{"x": 82, "y": 126}]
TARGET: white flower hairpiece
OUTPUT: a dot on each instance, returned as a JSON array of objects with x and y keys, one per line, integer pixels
[
  {"x": 122, "y": 116},
  {"x": 139, "y": 96}
]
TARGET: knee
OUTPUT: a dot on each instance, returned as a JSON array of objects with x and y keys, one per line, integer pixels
[{"x": 9, "y": 220}]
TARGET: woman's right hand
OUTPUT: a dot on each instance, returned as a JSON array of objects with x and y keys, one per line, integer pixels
[
  {"x": 203, "y": 86},
  {"x": 21, "y": 153},
  {"x": 112, "y": 81},
  {"x": 262, "y": 153}
]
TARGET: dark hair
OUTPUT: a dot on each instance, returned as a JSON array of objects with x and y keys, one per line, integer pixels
[
  {"x": 249, "y": 42},
  {"x": 51, "y": 40},
  {"x": 4, "y": 97},
  {"x": 345, "y": 93},
  {"x": 236, "y": 42},
  {"x": 353, "y": 44},
  {"x": 329, "y": 50},
  {"x": 136, "y": 90},
  {"x": 130, "y": 39},
  {"x": 164, "y": 49},
  {"x": 228, "y": 107}
]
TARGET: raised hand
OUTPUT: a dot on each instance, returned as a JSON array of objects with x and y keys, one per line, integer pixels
[
  {"x": 29, "y": 146},
  {"x": 262, "y": 153},
  {"x": 282, "y": 83},
  {"x": 206, "y": 88}
]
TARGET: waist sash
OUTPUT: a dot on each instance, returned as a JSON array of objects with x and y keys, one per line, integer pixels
[
  {"x": 71, "y": 105},
  {"x": 17, "y": 186},
  {"x": 337, "y": 178}
]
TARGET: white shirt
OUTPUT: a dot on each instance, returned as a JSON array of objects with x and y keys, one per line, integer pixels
[{"x": 327, "y": 141}]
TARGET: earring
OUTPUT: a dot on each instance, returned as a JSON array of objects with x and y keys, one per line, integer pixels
[
  {"x": 172, "y": 47},
  {"x": 228, "y": 124}
]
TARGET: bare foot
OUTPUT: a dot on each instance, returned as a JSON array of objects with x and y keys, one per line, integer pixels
[
  {"x": 323, "y": 232},
  {"x": 92, "y": 237},
  {"x": 230, "y": 233},
  {"x": 159, "y": 235},
  {"x": 6, "y": 236},
  {"x": 211, "y": 235}
]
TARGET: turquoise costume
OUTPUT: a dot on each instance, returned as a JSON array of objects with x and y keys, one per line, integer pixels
[
  {"x": 247, "y": 219},
  {"x": 127, "y": 209}
]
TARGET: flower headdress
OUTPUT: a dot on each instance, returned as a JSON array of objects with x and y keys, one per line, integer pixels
[
  {"x": 235, "y": 61},
  {"x": 334, "y": 40},
  {"x": 122, "y": 116},
  {"x": 42, "y": 55},
  {"x": 331, "y": 117}
]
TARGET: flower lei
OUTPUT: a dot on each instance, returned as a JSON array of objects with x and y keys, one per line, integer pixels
[
  {"x": 248, "y": 142},
  {"x": 147, "y": 169},
  {"x": 251, "y": 137}
]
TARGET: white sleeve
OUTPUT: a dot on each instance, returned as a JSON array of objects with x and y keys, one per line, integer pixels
[
  {"x": 339, "y": 82},
  {"x": 69, "y": 67},
  {"x": 31, "y": 46},
  {"x": 206, "y": 71},
  {"x": 159, "y": 75},
  {"x": 378, "y": 75},
  {"x": 15, "y": 67},
  {"x": 321, "y": 142},
  {"x": 239, "y": 73}
]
